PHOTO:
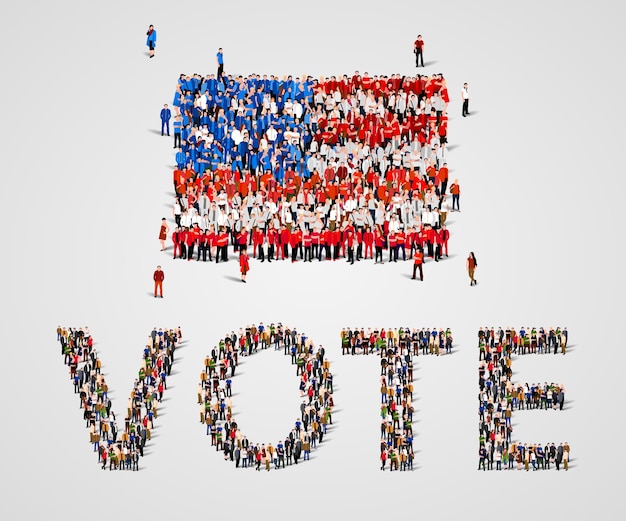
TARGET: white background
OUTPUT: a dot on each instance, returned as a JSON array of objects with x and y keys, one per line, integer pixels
[{"x": 87, "y": 178}]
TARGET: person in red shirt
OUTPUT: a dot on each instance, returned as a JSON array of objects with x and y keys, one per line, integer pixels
[
  {"x": 418, "y": 49},
  {"x": 191, "y": 239},
  {"x": 257, "y": 240},
  {"x": 455, "y": 190},
  {"x": 400, "y": 244},
  {"x": 242, "y": 239},
  {"x": 285, "y": 239},
  {"x": 350, "y": 243},
  {"x": 316, "y": 237},
  {"x": 158, "y": 278},
  {"x": 222, "y": 245},
  {"x": 272, "y": 240},
  {"x": 328, "y": 242},
  {"x": 442, "y": 177},
  {"x": 211, "y": 241},
  {"x": 418, "y": 260},
  {"x": 296, "y": 244},
  {"x": 244, "y": 265},
  {"x": 203, "y": 244},
  {"x": 307, "y": 242},
  {"x": 182, "y": 237},
  {"x": 430, "y": 240},
  {"x": 336, "y": 242},
  {"x": 176, "y": 241}
]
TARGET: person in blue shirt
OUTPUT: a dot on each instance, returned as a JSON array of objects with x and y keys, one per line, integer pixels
[
  {"x": 151, "y": 40},
  {"x": 220, "y": 63},
  {"x": 166, "y": 115}
]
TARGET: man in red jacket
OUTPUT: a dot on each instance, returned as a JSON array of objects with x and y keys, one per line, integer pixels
[{"x": 158, "y": 277}]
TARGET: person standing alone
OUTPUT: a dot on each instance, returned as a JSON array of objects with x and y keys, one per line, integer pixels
[
  {"x": 465, "y": 97},
  {"x": 471, "y": 264},
  {"x": 158, "y": 277},
  {"x": 151, "y": 40},
  {"x": 220, "y": 63},
  {"x": 418, "y": 260},
  {"x": 418, "y": 49},
  {"x": 166, "y": 115},
  {"x": 163, "y": 232},
  {"x": 244, "y": 265}
]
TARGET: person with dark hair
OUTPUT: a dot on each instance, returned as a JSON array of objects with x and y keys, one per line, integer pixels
[
  {"x": 165, "y": 229},
  {"x": 158, "y": 277},
  {"x": 418, "y": 49},
  {"x": 472, "y": 264},
  {"x": 418, "y": 260},
  {"x": 151, "y": 40},
  {"x": 465, "y": 98}
]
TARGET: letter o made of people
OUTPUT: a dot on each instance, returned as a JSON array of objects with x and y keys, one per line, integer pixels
[{"x": 222, "y": 386}]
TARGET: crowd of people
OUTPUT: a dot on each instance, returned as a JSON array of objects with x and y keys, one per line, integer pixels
[
  {"x": 215, "y": 391},
  {"x": 499, "y": 396},
  {"x": 312, "y": 169},
  {"x": 396, "y": 348},
  {"x": 118, "y": 448}
]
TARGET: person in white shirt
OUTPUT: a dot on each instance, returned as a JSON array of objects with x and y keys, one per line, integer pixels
[
  {"x": 349, "y": 205},
  {"x": 177, "y": 211},
  {"x": 427, "y": 217},
  {"x": 203, "y": 222},
  {"x": 204, "y": 203},
  {"x": 394, "y": 224},
  {"x": 222, "y": 218},
  {"x": 271, "y": 134},
  {"x": 185, "y": 219},
  {"x": 236, "y": 136},
  {"x": 297, "y": 110},
  {"x": 465, "y": 98}
]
